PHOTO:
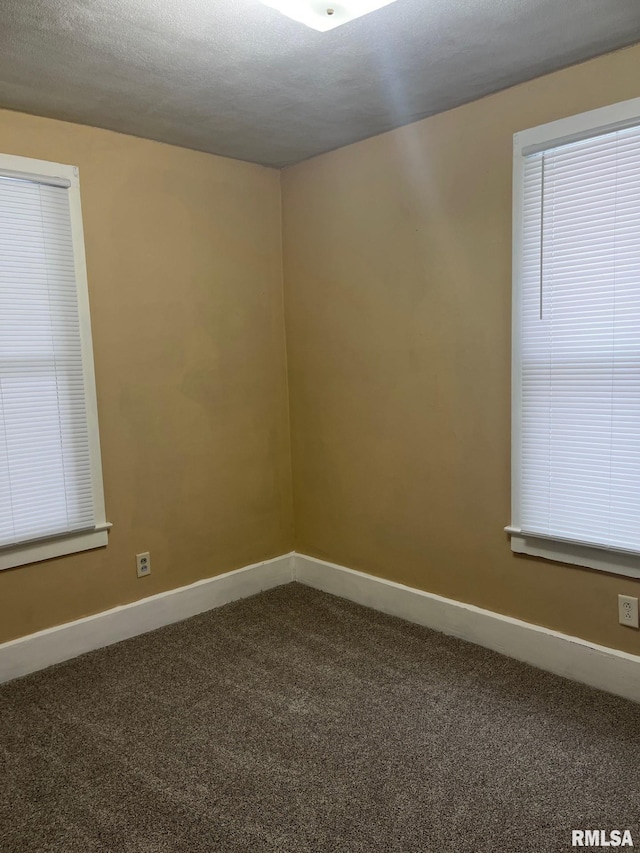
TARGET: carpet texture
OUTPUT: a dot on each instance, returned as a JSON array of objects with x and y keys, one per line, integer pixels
[{"x": 296, "y": 721}]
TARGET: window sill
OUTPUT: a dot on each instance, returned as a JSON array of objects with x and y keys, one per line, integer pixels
[
  {"x": 563, "y": 551},
  {"x": 60, "y": 546}
]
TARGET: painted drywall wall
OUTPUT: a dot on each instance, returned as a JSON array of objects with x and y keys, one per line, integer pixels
[
  {"x": 185, "y": 284},
  {"x": 397, "y": 299}
]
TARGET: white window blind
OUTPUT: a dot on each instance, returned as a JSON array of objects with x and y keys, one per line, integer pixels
[
  {"x": 46, "y": 486},
  {"x": 579, "y": 381}
]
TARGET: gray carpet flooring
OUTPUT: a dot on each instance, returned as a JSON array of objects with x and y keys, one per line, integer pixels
[{"x": 295, "y": 721}]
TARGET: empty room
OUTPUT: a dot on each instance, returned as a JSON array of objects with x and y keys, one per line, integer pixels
[{"x": 319, "y": 426}]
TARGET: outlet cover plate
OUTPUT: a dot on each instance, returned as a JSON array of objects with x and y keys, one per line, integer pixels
[
  {"x": 143, "y": 564},
  {"x": 628, "y": 611}
]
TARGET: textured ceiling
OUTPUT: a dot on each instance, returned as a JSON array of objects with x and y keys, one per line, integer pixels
[{"x": 236, "y": 78}]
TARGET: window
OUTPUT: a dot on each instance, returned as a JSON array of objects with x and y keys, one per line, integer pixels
[
  {"x": 51, "y": 499},
  {"x": 576, "y": 340}
]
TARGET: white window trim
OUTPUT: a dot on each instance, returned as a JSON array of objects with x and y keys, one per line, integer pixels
[
  {"x": 30, "y": 552},
  {"x": 615, "y": 117}
]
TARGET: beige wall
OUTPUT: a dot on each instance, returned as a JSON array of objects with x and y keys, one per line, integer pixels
[
  {"x": 397, "y": 297},
  {"x": 184, "y": 266}
]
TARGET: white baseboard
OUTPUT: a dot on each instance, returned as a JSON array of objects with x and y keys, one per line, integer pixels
[
  {"x": 54, "y": 645},
  {"x": 608, "y": 669}
]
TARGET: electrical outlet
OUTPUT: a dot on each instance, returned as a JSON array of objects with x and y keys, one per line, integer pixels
[
  {"x": 628, "y": 611},
  {"x": 143, "y": 567}
]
